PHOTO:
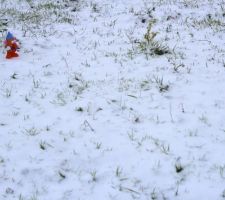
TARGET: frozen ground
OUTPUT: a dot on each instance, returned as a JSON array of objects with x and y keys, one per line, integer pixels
[{"x": 97, "y": 108}]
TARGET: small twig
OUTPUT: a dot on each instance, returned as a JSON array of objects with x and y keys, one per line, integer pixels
[
  {"x": 129, "y": 95},
  {"x": 129, "y": 190},
  {"x": 63, "y": 58},
  {"x": 171, "y": 116},
  {"x": 87, "y": 124}
]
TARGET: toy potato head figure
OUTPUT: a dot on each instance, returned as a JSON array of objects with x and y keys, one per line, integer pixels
[{"x": 11, "y": 46}]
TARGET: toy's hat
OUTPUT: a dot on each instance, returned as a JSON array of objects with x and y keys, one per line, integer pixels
[{"x": 9, "y": 36}]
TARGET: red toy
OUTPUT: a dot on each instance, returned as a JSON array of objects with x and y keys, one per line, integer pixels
[{"x": 11, "y": 46}]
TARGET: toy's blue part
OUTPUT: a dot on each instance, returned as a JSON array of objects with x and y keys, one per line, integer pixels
[{"x": 9, "y": 36}]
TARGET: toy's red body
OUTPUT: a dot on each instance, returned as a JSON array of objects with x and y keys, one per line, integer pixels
[{"x": 11, "y": 53}]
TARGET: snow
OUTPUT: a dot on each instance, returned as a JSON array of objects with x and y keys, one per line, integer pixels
[{"x": 82, "y": 111}]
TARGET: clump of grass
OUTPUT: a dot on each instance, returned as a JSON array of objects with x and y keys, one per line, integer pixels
[
  {"x": 160, "y": 84},
  {"x": 98, "y": 145},
  {"x": 1, "y": 160},
  {"x": 14, "y": 76},
  {"x": 95, "y": 7},
  {"x": 118, "y": 171},
  {"x": 179, "y": 168},
  {"x": 159, "y": 49},
  {"x": 42, "y": 14},
  {"x": 47, "y": 128},
  {"x": 79, "y": 109},
  {"x": 32, "y": 131},
  {"x": 9, "y": 191},
  {"x": 154, "y": 195},
  {"x": 222, "y": 171},
  {"x": 62, "y": 175},
  {"x": 3, "y": 28},
  {"x": 93, "y": 175},
  {"x": 209, "y": 21},
  {"x": 8, "y": 92},
  {"x": 153, "y": 48},
  {"x": 78, "y": 84},
  {"x": 42, "y": 145},
  {"x": 223, "y": 194},
  {"x": 137, "y": 120},
  {"x": 149, "y": 45}
]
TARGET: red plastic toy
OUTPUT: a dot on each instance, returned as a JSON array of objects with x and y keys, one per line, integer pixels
[{"x": 11, "y": 46}]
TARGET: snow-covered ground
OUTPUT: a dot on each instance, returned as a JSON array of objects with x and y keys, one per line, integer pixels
[{"x": 113, "y": 100}]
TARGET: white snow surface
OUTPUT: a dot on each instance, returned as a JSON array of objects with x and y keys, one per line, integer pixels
[{"x": 82, "y": 119}]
